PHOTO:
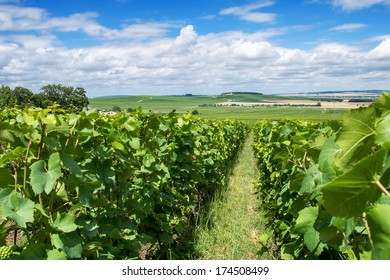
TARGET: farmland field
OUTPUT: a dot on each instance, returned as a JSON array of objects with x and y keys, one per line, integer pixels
[
  {"x": 211, "y": 106},
  {"x": 179, "y": 102}
]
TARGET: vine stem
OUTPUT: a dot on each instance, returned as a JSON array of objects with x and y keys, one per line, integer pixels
[
  {"x": 15, "y": 236},
  {"x": 40, "y": 200},
  {"x": 367, "y": 227},
  {"x": 69, "y": 136},
  {"x": 41, "y": 143},
  {"x": 25, "y": 162},
  {"x": 379, "y": 184},
  {"x": 51, "y": 202},
  {"x": 303, "y": 161}
]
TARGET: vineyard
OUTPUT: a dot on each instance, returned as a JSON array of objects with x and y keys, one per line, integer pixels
[
  {"x": 91, "y": 186},
  {"x": 324, "y": 188},
  {"x": 129, "y": 186}
]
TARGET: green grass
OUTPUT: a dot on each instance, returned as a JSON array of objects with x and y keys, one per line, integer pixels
[
  {"x": 186, "y": 104},
  {"x": 252, "y": 114},
  {"x": 231, "y": 228},
  {"x": 167, "y": 103},
  {"x": 161, "y": 104}
]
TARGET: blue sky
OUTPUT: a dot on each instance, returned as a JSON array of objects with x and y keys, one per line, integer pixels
[{"x": 196, "y": 46}]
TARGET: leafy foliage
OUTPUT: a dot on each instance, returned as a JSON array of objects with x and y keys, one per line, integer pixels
[
  {"x": 325, "y": 187},
  {"x": 379, "y": 225},
  {"x": 68, "y": 98},
  {"x": 90, "y": 186}
]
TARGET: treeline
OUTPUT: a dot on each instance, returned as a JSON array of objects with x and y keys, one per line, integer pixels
[
  {"x": 361, "y": 100},
  {"x": 66, "y": 97}
]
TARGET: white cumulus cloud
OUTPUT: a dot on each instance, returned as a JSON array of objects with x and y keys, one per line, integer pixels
[
  {"x": 16, "y": 18},
  {"x": 187, "y": 38},
  {"x": 191, "y": 62},
  {"x": 382, "y": 51},
  {"x": 254, "y": 51}
]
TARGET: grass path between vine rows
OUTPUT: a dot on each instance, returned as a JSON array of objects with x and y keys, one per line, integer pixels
[{"x": 230, "y": 229}]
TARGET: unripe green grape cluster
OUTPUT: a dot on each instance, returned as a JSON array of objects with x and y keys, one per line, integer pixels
[{"x": 6, "y": 252}]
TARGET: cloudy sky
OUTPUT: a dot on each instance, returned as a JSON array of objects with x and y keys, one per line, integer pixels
[{"x": 114, "y": 47}]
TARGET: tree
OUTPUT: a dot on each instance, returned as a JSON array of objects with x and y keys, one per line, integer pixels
[
  {"x": 7, "y": 97},
  {"x": 40, "y": 100},
  {"x": 78, "y": 99},
  {"x": 66, "y": 96},
  {"x": 116, "y": 108},
  {"x": 54, "y": 93},
  {"x": 23, "y": 96}
]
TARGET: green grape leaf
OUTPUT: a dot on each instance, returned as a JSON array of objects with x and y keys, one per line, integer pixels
[
  {"x": 148, "y": 160},
  {"x": 357, "y": 136},
  {"x": 118, "y": 146},
  {"x": 15, "y": 155},
  {"x": 69, "y": 162},
  {"x": 64, "y": 223},
  {"x": 70, "y": 243},
  {"x": 383, "y": 102},
  {"x": 42, "y": 179},
  {"x": 306, "y": 219},
  {"x": 384, "y": 199},
  {"x": 4, "y": 194},
  {"x": 52, "y": 142},
  {"x": 56, "y": 255},
  {"x": 31, "y": 121},
  {"x": 6, "y": 134},
  {"x": 348, "y": 194},
  {"x": 34, "y": 252},
  {"x": 107, "y": 174},
  {"x": 49, "y": 119},
  {"x": 135, "y": 143},
  {"x": 6, "y": 178},
  {"x": 313, "y": 178},
  {"x": 379, "y": 226},
  {"x": 346, "y": 225},
  {"x": 332, "y": 236},
  {"x": 17, "y": 208},
  {"x": 383, "y": 132},
  {"x": 85, "y": 195},
  {"x": 288, "y": 251},
  {"x": 305, "y": 225},
  {"x": 327, "y": 157}
]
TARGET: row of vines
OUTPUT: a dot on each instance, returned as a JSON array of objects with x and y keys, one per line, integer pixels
[
  {"x": 325, "y": 186},
  {"x": 90, "y": 186}
]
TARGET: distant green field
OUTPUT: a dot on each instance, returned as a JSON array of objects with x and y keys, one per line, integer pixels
[
  {"x": 160, "y": 104},
  {"x": 252, "y": 114},
  {"x": 168, "y": 103},
  {"x": 187, "y": 104}
]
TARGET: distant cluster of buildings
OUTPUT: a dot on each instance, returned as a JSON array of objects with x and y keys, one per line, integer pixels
[{"x": 110, "y": 113}]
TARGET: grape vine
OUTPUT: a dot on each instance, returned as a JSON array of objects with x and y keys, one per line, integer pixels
[
  {"x": 325, "y": 186},
  {"x": 91, "y": 186}
]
